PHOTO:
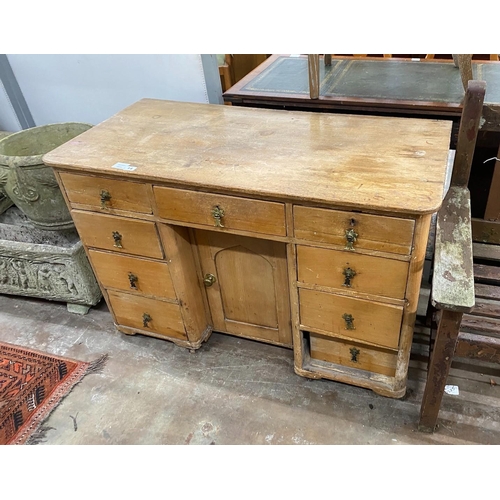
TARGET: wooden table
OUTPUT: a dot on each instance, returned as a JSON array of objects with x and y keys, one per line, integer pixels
[
  {"x": 304, "y": 230},
  {"x": 387, "y": 86}
]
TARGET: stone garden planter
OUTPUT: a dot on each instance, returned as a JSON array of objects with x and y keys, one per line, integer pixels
[
  {"x": 5, "y": 201},
  {"x": 41, "y": 254},
  {"x": 46, "y": 264},
  {"x": 29, "y": 183}
]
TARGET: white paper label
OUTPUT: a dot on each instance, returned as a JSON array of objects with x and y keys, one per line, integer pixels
[
  {"x": 124, "y": 166},
  {"x": 451, "y": 389}
]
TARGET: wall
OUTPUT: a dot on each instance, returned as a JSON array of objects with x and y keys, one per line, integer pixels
[
  {"x": 8, "y": 118},
  {"x": 91, "y": 88}
]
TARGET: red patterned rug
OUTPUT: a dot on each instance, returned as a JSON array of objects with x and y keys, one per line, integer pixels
[{"x": 32, "y": 384}]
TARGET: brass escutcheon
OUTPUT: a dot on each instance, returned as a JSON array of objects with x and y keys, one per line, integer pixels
[
  {"x": 354, "y": 354},
  {"x": 105, "y": 197},
  {"x": 146, "y": 318},
  {"x": 133, "y": 280},
  {"x": 349, "y": 275},
  {"x": 209, "y": 280},
  {"x": 217, "y": 214},
  {"x": 349, "y": 321},
  {"x": 118, "y": 239}
]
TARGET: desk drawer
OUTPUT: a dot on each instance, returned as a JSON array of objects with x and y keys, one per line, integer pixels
[
  {"x": 357, "y": 319},
  {"x": 351, "y": 271},
  {"x": 118, "y": 234},
  {"x": 136, "y": 312},
  {"x": 353, "y": 354},
  {"x": 373, "y": 232},
  {"x": 242, "y": 214},
  {"x": 133, "y": 275},
  {"x": 105, "y": 194}
]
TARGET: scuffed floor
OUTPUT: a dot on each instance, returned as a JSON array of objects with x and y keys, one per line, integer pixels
[{"x": 232, "y": 391}]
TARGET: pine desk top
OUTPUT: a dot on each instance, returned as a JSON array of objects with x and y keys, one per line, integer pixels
[{"x": 352, "y": 161}]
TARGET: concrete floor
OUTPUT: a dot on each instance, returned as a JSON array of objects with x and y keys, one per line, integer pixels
[{"x": 232, "y": 391}]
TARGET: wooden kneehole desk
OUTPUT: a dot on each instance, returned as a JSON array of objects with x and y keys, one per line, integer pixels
[{"x": 303, "y": 230}]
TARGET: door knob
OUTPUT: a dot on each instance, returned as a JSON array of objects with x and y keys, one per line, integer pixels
[{"x": 209, "y": 280}]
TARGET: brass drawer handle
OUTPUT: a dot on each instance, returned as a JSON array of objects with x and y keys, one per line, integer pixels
[
  {"x": 349, "y": 321},
  {"x": 146, "y": 318},
  {"x": 118, "y": 239},
  {"x": 209, "y": 280},
  {"x": 217, "y": 214},
  {"x": 350, "y": 236},
  {"x": 354, "y": 354},
  {"x": 105, "y": 197},
  {"x": 133, "y": 280},
  {"x": 349, "y": 275}
]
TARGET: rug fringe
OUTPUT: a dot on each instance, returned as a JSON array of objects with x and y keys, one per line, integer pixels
[
  {"x": 97, "y": 365},
  {"x": 39, "y": 435}
]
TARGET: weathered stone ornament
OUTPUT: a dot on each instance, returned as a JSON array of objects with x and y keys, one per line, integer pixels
[
  {"x": 5, "y": 201},
  {"x": 41, "y": 254},
  {"x": 46, "y": 264},
  {"x": 28, "y": 182}
]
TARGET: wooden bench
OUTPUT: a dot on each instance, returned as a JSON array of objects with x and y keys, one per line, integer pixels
[{"x": 466, "y": 280}]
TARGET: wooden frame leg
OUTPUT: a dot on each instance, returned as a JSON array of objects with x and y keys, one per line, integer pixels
[
  {"x": 492, "y": 211},
  {"x": 465, "y": 68},
  {"x": 313, "y": 61},
  {"x": 429, "y": 315},
  {"x": 442, "y": 355}
]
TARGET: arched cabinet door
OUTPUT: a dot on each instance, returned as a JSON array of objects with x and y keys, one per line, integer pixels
[{"x": 247, "y": 286}]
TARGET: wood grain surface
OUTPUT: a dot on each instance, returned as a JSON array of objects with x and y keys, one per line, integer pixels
[
  {"x": 165, "y": 317},
  {"x": 373, "y": 275},
  {"x": 353, "y": 354},
  {"x": 250, "y": 296},
  {"x": 152, "y": 277},
  {"x": 182, "y": 266},
  {"x": 137, "y": 237},
  {"x": 123, "y": 195},
  {"x": 369, "y": 162},
  {"x": 453, "y": 276},
  {"x": 387, "y": 234},
  {"x": 239, "y": 213},
  {"x": 373, "y": 322}
]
